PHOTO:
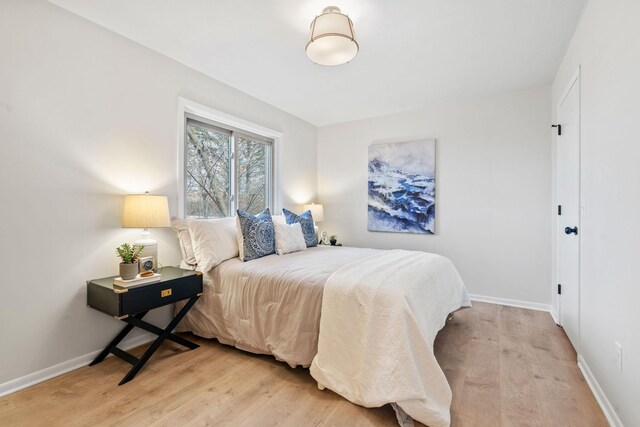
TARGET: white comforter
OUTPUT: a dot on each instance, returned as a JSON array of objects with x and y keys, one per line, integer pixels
[{"x": 380, "y": 316}]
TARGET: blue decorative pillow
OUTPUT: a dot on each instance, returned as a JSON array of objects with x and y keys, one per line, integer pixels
[
  {"x": 306, "y": 222},
  {"x": 256, "y": 237}
]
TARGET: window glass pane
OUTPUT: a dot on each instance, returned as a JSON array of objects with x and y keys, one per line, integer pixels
[
  {"x": 253, "y": 173},
  {"x": 208, "y": 172}
]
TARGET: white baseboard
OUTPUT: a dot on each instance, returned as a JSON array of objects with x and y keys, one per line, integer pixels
[
  {"x": 62, "y": 368},
  {"x": 554, "y": 316},
  {"x": 512, "y": 302},
  {"x": 607, "y": 408}
]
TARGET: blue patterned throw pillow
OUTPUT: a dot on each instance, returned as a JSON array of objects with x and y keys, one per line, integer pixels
[
  {"x": 256, "y": 237},
  {"x": 306, "y": 222}
]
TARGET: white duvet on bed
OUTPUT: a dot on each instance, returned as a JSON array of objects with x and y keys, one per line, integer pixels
[{"x": 380, "y": 317}]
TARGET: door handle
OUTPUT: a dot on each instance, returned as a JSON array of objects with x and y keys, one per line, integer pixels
[{"x": 569, "y": 230}]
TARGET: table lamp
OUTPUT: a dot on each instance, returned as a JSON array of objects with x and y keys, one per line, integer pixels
[
  {"x": 317, "y": 212},
  {"x": 146, "y": 211}
]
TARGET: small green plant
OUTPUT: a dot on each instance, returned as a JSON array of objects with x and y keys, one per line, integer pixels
[
  {"x": 129, "y": 253},
  {"x": 333, "y": 237}
]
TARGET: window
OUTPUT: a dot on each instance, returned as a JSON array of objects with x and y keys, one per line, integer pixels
[{"x": 225, "y": 169}]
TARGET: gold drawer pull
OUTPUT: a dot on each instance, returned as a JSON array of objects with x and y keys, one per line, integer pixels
[{"x": 165, "y": 293}]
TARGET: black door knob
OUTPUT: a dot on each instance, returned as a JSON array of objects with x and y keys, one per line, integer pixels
[{"x": 569, "y": 230}]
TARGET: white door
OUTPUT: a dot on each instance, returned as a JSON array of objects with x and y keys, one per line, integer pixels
[{"x": 569, "y": 213}]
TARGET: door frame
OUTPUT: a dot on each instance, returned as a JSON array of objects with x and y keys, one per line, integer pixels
[{"x": 573, "y": 81}]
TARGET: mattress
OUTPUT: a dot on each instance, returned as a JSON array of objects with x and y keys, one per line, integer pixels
[{"x": 269, "y": 305}]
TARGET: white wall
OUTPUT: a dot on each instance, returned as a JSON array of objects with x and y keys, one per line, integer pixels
[
  {"x": 493, "y": 180},
  {"x": 607, "y": 46},
  {"x": 87, "y": 116}
]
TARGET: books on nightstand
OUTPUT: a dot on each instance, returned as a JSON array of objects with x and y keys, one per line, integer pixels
[{"x": 139, "y": 280}]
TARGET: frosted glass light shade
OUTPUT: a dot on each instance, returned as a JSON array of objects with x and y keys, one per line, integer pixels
[
  {"x": 317, "y": 211},
  {"x": 332, "y": 40},
  {"x": 145, "y": 211}
]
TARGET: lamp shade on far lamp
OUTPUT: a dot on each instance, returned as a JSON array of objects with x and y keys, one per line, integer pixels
[
  {"x": 146, "y": 211},
  {"x": 317, "y": 211}
]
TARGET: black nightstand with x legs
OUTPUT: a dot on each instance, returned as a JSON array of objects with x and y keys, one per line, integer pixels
[{"x": 132, "y": 304}]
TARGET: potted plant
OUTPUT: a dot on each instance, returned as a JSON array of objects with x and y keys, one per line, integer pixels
[
  {"x": 333, "y": 239},
  {"x": 129, "y": 255}
]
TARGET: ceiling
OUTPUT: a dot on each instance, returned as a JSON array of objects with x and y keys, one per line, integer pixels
[{"x": 412, "y": 52}]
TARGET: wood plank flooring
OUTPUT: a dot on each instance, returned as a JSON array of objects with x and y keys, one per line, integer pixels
[{"x": 506, "y": 366}]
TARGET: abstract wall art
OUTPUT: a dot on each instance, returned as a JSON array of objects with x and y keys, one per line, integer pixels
[{"x": 402, "y": 187}]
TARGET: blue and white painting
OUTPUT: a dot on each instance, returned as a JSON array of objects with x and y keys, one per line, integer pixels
[{"x": 402, "y": 187}]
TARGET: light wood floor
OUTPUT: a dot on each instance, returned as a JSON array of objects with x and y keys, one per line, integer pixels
[{"x": 506, "y": 366}]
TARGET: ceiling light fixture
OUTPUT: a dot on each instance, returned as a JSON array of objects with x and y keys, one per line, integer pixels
[{"x": 332, "y": 40}]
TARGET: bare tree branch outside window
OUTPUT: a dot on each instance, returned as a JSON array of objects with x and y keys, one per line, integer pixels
[
  {"x": 208, "y": 180},
  {"x": 252, "y": 175},
  {"x": 209, "y": 168}
]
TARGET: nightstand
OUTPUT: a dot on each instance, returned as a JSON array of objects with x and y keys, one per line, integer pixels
[{"x": 132, "y": 304}]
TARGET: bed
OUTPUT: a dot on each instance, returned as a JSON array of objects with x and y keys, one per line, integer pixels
[{"x": 363, "y": 320}]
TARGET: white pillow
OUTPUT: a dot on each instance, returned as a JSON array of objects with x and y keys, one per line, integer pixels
[
  {"x": 289, "y": 238},
  {"x": 214, "y": 241},
  {"x": 239, "y": 239},
  {"x": 279, "y": 218},
  {"x": 181, "y": 228}
]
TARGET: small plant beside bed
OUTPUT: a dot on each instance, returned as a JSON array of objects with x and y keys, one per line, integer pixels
[{"x": 129, "y": 255}]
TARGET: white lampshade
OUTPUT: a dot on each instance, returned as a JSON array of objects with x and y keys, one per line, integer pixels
[
  {"x": 145, "y": 211},
  {"x": 317, "y": 211},
  {"x": 332, "y": 40}
]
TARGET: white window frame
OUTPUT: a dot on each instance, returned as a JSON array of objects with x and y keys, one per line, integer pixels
[{"x": 188, "y": 107}]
